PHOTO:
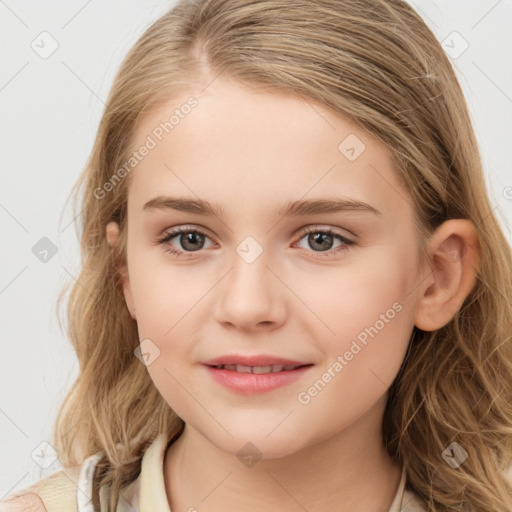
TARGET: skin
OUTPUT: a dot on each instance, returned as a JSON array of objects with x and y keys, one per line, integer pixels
[{"x": 250, "y": 153}]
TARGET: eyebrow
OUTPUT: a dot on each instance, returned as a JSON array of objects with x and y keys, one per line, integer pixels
[{"x": 294, "y": 208}]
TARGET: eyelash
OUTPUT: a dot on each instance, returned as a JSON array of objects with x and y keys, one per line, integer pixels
[{"x": 180, "y": 230}]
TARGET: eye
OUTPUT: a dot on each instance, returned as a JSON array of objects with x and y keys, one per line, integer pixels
[
  {"x": 192, "y": 240},
  {"x": 322, "y": 239},
  {"x": 189, "y": 238}
]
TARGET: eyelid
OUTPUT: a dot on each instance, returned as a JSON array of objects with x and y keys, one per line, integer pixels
[
  {"x": 180, "y": 228},
  {"x": 319, "y": 227},
  {"x": 183, "y": 228}
]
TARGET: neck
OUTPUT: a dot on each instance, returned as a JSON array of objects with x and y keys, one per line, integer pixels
[{"x": 348, "y": 471}]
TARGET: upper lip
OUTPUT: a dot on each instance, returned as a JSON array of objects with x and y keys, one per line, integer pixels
[{"x": 258, "y": 360}]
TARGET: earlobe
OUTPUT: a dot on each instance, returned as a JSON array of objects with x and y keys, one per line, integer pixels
[
  {"x": 454, "y": 251},
  {"x": 112, "y": 230},
  {"x": 112, "y": 233}
]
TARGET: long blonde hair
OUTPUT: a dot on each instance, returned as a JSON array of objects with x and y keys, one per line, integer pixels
[{"x": 376, "y": 62}]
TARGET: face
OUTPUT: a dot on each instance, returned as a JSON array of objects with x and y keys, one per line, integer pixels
[{"x": 331, "y": 288}]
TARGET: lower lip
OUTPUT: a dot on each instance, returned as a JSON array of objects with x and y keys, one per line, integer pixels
[{"x": 250, "y": 383}]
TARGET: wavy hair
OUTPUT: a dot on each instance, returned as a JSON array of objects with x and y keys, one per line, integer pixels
[{"x": 377, "y": 63}]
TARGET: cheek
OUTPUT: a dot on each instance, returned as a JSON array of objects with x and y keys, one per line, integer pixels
[
  {"x": 360, "y": 366},
  {"x": 168, "y": 306},
  {"x": 162, "y": 293},
  {"x": 354, "y": 297},
  {"x": 367, "y": 322}
]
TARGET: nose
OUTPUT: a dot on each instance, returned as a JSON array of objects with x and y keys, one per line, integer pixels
[{"x": 252, "y": 296}]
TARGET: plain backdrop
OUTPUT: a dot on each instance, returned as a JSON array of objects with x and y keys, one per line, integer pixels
[{"x": 50, "y": 110}]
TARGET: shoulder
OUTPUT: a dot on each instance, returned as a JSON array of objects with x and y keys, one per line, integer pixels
[
  {"x": 25, "y": 501},
  {"x": 55, "y": 492}
]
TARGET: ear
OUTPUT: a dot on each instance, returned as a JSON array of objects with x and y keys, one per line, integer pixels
[
  {"x": 454, "y": 253},
  {"x": 112, "y": 238}
]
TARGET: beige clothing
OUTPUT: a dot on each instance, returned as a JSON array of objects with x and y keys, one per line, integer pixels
[{"x": 70, "y": 490}]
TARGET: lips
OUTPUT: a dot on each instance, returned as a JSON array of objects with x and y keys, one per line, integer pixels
[
  {"x": 255, "y": 374},
  {"x": 257, "y": 361},
  {"x": 250, "y": 382}
]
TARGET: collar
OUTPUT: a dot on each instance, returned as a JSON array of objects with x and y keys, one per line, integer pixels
[{"x": 152, "y": 487}]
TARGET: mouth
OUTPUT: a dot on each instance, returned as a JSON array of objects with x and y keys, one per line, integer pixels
[
  {"x": 250, "y": 380},
  {"x": 259, "y": 370}
]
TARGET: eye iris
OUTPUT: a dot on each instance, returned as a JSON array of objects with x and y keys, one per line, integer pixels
[
  {"x": 192, "y": 237},
  {"x": 313, "y": 239}
]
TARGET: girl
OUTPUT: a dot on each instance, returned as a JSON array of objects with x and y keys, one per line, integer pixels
[{"x": 294, "y": 294}]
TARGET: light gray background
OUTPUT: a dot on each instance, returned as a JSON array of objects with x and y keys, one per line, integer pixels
[{"x": 50, "y": 112}]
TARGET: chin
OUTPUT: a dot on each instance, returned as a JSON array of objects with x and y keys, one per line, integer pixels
[{"x": 255, "y": 444}]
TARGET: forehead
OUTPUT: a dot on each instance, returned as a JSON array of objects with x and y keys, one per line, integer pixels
[{"x": 241, "y": 146}]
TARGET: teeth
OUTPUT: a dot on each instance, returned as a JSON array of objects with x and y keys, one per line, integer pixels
[
  {"x": 274, "y": 368},
  {"x": 262, "y": 369}
]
